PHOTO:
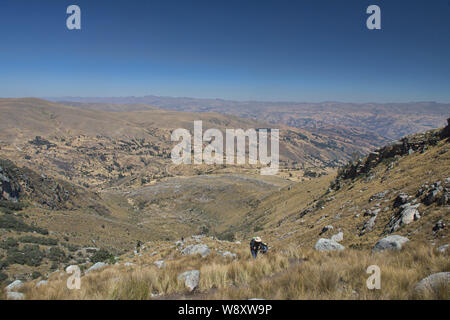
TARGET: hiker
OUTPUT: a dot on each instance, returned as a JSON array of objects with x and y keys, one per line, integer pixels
[{"x": 257, "y": 245}]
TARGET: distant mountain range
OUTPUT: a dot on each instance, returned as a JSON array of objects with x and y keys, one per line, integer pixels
[{"x": 380, "y": 122}]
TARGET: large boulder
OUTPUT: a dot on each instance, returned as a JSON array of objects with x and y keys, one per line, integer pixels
[
  {"x": 191, "y": 279},
  {"x": 393, "y": 242},
  {"x": 14, "y": 285},
  {"x": 196, "y": 249},
  {"x": 433, "y": 284},
  {"x": 328, "y": 245}
]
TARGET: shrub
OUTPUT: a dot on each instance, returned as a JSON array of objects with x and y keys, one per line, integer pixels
[
  {"x": 228, "y": 236},
  {"x": 3, "y": 265},
  {"x": 39, "y": 240},
  {"x": 70, "y": 247},
  {"x": 9, "y": 243},
  {"x": 14, "y": 206},
  {"x": 103, "y": 255},
  {"x": 57, "y": 255},
  {"x": 3, "y": 277},
  {"x": 9, "y": 222},
  {"x": 29, "y": 255}
]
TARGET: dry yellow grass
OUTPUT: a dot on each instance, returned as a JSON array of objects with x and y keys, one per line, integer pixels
[{"x": 281, "y": 274}]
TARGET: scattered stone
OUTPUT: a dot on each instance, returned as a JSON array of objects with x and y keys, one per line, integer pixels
[
  {"x": 160, "y": 264},
  {"x": 368, "y": 226},
  {"x": 191, "y": 279},
  {"x": 129, "y": 264},
  {"x": 378, "y": 196},
  {"x": 433, "y": 283},
  {"x": 444, "y": 248},
  {"x": 196, "y": 248},
  {"x": 96, "y": 266},
  {"x": 392, "y": 242},
  {"x": 42, "y": 283},
  {"x": 328, "y": 245},
  {"x": 228, "y": 254},
  {"x": 439, "y": 225},
  {"x": 14, "y": 285}
]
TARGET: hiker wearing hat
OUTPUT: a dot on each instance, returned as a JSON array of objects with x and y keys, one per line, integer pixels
[{"x": 257, "y": 245}]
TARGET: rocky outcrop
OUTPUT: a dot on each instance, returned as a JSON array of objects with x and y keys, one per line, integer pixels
[
  {"x": 405, "y": 146},
  {"x": 407, "y": 214}
]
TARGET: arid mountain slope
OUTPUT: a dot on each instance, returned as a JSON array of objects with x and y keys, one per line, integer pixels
[{"x": 104, "y": 149}]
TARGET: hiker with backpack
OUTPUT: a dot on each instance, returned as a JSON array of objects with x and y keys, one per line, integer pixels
[{"x": 257, "y": 245}]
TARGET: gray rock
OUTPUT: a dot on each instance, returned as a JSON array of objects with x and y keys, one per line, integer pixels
[
  {"x": 368, "y": 225},
  {"x": 129, "y": 264},
  {"x": 328, "y": 245},
  {"x": 338, "y": 237},
  {"x": 379, "y": 196},
  {"x": 160, "y": 264},
  {"x": 444, "y": 248},
  {"x": 96, "y": 266},
  {"x": 15, "y": 295},
  {"x": 191, "y": 279},
  {"x": 432, "y": 283},
  {"x": 393, "y": 242},
  {"x": 196, "y": 249},
  {"x": 228, "y": 254},
  {"x": 14, "y": 285}
]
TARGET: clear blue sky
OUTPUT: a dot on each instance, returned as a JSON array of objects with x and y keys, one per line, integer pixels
[{"x": 235, "y": 49}]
